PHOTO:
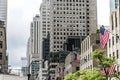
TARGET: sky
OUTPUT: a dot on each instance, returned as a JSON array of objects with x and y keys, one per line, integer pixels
[{"x": 21, "y": 13}]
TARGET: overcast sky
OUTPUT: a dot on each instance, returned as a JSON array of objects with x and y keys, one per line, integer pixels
[{"x": 21, "y": 13}]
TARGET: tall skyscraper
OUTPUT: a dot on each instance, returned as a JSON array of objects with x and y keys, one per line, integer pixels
[
  {"x": 3, "y": 11},
  {"x": 35, "y": 35},
  {"x": 35, "y": 46},
  {"x": 71, "y": 18},
  {"x": 45, "y": 27},
  {"x": 44, "y": 31},
  {"x": 45, "y": 18},
  {"x": 113, "y": 5}
]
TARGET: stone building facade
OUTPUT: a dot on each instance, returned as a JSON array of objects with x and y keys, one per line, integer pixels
[
  {"x": 88, "y": 45},
  {"x": 71, "y": 65},
  {"x": 3, "y": 47},
  {"x": 113, "y": 46}
]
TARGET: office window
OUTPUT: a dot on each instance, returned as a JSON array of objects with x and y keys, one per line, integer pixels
[
  {"x": 0, "y": 56},
  {"x": 109, "y": 43},
  {"x": 1, "y": 33},
  {"x": 97, "y": 41},
  {"x": 116, "y": 19},
  {"x": 113, "y": 53},
  {"x": 87, "y": 9},
  {"x": 117, "y": 38},
  {"x": 1, "y": 44},
  {"x": 109, "y": 55},
  {"x": 0, "y": 67},
  {"x": 112, "y": 22},
  {"x": 117, "y": 52},
  {"x": 77, "y": 68},
  {"x": 112, "y": 40}
]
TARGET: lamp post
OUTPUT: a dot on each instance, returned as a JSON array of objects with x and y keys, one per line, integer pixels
[{"x": 29, "y": 76}]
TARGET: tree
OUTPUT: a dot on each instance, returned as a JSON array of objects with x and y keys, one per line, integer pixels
[
  {"x": 86, "y": 75},
  {"x": 95, "y": 73},
  {"x": 100, "y": 57}
]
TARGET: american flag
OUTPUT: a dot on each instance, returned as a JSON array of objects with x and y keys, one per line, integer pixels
[
  {"x": 108, "y": 71},
  {"x": 77, "y": 57},
  {"x": 112, "y": 69},
  {"x": 104, "y": 36},
  {"x": 61, "y": 72}
]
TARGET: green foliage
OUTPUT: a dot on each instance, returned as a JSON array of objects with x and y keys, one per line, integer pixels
[
  {"x": 99, "y": 55},
  {"x": 98, "y": 31},
  {"x": 71, "y": 77},
  {"x": 86, "y": 75}
]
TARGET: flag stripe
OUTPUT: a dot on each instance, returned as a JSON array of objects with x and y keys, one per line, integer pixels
[
  {"x": 104, "y": 38},
  {"x": 61, "y": 71},
  {"x": 112, "y": 69},
  {"x": 78, "y": 58}
]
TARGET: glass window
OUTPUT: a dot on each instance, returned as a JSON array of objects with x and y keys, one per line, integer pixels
[
  {"x": 0, "y": 56},
  {"x": 1, "y": 33},
  {"x": 112, "y": 40},
  {"x": 113, "y": 53},
  {"x": 117, "y": 54},
  {"x": 1, "y": 44},
  {"x": 109, "y": 42},
  {"x": 0, "y": 67}
]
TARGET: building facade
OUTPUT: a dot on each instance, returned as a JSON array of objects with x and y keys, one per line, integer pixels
[
  {"x": 114, "y": 4},
  {"x": 3, "y": 11},
  {"x": 71, "y": 65},
  {"x": 28, "y": 54},
  {"x": 35, "y": 35},
  {"x": 44, "y": 72},
  {"x": 88, "y": 45},
  {"x": 35, "y": 46},
  {"x": 71, "y": 18},
  {"x": 28, "y": 51},
  {"x": 59, "y": 72},
  {"x": 46, "y": 49},
  {"x": 45, "y": 28},
  {"x": 3, "y": 47},
  {"x": 113, "y": 47},
  {"x": 55, "y": 58},
  {"x": 73, "y": 43},
  {"x": 45, "y": 17}
]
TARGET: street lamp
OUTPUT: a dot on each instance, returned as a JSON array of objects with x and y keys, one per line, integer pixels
[{"x": 29, "y": 76}]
